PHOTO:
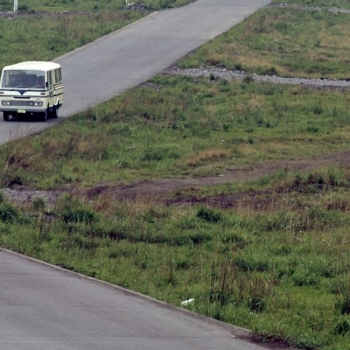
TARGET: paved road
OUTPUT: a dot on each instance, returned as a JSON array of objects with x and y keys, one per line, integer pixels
[
  {"x": 130, "y": 56},
  {"x": 42, "y": 308},
  {"x": 138, "y": 52}
]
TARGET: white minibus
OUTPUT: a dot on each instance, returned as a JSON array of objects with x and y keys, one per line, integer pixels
[{"x": 32, "y": 89}]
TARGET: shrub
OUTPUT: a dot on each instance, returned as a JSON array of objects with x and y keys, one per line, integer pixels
[
  {"x": 23, "y": 8},
  {"x": 251, "y": 264},
  {"x": 343, "y": 305},
  {"x": 305, "y": 278},
  {"x": 257, "y": 304},
  {"x": 209, "y": 214},
  {"x": 342, "y": 327},
  {"x": 39, "y": 204},
  {"x": 8, "y": 213},
  {"x": 79, "y": 216}
]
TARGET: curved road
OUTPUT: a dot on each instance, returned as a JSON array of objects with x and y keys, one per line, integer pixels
[
  {"x": 45, "y": 308},
  {"x": 128, "y": 57}
]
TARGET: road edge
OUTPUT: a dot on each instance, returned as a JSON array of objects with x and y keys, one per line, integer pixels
[
  {"x": 105, "y": 37},
  {"x": 238, "y": 332}
]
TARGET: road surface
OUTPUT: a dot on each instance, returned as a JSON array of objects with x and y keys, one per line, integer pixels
[
  {"x": 128, "y": 57},
  {"x": 42, "y": 308}
]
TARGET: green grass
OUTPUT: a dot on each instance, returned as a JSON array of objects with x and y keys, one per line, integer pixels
[
  {"x": 24, "y": 39},
  {"x": 277, "y": 260},
  {"x": 278, "y": 42},
  {"x": 33, "y": 6},
  {"x": 185, "y": 127},
  {"x": 281, "y": 269},
  {"x": 42, "y": 32}
]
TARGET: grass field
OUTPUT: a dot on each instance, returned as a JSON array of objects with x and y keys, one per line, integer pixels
[
  {"x": 276, "y": 259},
  {"x": 277, "y": 262},
  {"x": 23, "y": 38},
  {"x": 179, "y": 127},
  {"x": 33, "y": 6},
  {"x": 277, "y": 41}
]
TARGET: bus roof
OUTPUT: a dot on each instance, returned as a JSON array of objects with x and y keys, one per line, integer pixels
[{"x": 33, "y": 65}]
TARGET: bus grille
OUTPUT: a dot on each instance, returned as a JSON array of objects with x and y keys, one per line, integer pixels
[{"x": 20, "y": 103}]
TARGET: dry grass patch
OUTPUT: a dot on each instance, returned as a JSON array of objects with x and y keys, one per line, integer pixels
[
  {"x": 207, "y": 156},
  {"x": 252, "y": 60},
  {"x": 135, "y": 207}
]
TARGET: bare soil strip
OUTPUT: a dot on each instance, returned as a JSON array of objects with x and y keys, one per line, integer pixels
[
  {"x": 310, "y": 8},
  {"x": 163, "y": 191},
  {"x": 222, "y": 73}
]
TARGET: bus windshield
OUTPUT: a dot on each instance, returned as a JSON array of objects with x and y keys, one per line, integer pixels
[{"x": 23, "y": 79}]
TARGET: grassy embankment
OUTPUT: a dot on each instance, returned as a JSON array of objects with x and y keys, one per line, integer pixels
[
  {"x": 42, "y": 32},
  {"x": 276, "y": 262},
  {"x": 284, "y": 42},
  {"x": 34, "y": 6}
]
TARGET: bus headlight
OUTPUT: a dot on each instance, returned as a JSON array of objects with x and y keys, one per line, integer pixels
[
  {"x": 38, "y": 104},
  {"x": 6, "y": 103}
]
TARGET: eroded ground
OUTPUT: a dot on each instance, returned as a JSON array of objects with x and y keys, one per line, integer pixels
[{"x": 179, "y": 191}]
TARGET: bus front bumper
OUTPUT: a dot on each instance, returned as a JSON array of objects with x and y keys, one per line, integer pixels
[{"x": 22, "y": 110}]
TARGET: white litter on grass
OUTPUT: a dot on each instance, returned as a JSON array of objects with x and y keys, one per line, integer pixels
[{"x": 187, "y": 302}]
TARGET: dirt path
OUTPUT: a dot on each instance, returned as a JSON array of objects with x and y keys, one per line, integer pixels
[
  {"x": 163, "y": 190},
  {"x": 158, "y": 189}
]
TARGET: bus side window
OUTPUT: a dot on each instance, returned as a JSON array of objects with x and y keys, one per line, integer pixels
[
  {"x": 57, "y": 76},
  {"x": 53, "y": 77},
  {"x": 49, "y": 76}
]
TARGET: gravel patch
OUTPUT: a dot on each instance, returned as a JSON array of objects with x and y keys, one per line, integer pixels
[
  {"x": 24, "y": 196},
  {"x": 310, "y": 8},
  {"x": 222, "y": 73}
]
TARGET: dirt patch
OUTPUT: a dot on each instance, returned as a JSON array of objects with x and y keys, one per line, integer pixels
[
  {"x": 229, "y": 75},
  {"x": 310, "y": 8},
  {"x": 173, "y": 191}
]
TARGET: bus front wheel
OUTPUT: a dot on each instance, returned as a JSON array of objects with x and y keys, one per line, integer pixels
[
  {"x": 55, "y": 112},
  {"x": 6, "y": 116},
  {"x": 44, "y": 116}
]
